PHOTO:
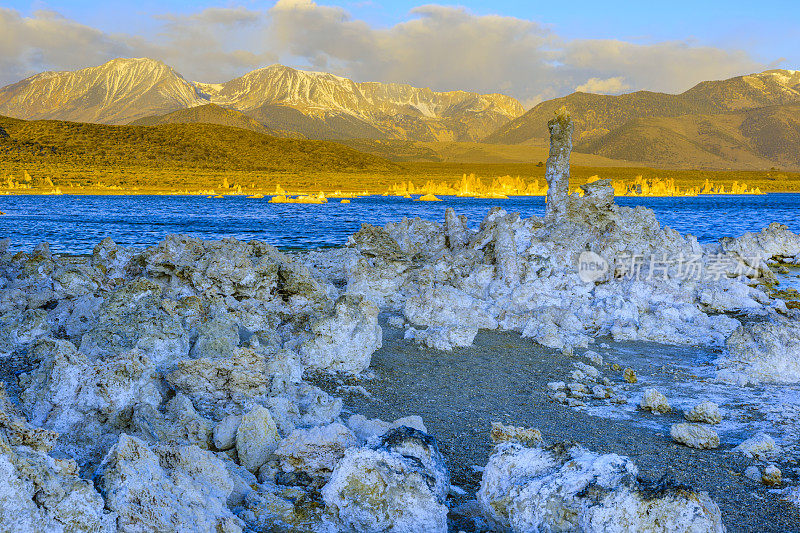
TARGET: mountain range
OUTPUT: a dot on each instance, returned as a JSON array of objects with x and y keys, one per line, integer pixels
[
  {"x": 746, "y": 122},
  {"x": 312, "y": 104},
  {"x": 743, "y": 122}
]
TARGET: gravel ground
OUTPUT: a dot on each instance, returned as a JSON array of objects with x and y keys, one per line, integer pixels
[{"x": 503, "y": 377}]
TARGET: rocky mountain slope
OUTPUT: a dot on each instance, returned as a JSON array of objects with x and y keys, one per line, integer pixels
[
  {"x": 213, "y": 114},
  {"x": 597, "y": 114},
  {"x": 114, "y": 93},
  {"x": 747, "y": 121},
  {"x": 754, "y": 138},
  {"x": 316, "y": 105}
]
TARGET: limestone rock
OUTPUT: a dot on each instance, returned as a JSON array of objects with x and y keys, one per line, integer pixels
[
  {"x": 705, "y": 412},
  {"x": 568, "y": 488},
  {"x": 502, "y": 433},
  {"x": 762, "y": 352},
  {"x": 346, "y": 340},
  {"x": 315, "y": 451},
  {"x": 557, "y": 167},
  {"x": 256, "y": 438},
  {"x": 760, "y": 446},
  {"x": 388, "y": 487},
  {"x": 694, "y": 436},
  {"x": 166, "y": 487},
  {"x": 225, "y": 432},
  {"x": 655, "y": 402},
  {"x": 772, "y": 476}
]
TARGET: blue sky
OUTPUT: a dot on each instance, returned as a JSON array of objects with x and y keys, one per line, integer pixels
[{"x": 531, "y": 50}]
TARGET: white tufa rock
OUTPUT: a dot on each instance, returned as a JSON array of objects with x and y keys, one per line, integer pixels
[
  {"x": 346, "y": 340},
  {"x": 225, "y": 432},
  {"x": 594, "y": 357},
  {"x": 256, "y": 438},
  {"x": 568, "y": 488},
  {"x": 166, "y": 488},
  {"x": 39, "y": 492},
  {"x": 365, "y": 428},
  {"x": 760, "y": 446},
  {"x": 502, "y": 433},
  {"x": 655, "y": 402},
  {"x": 315, "y": 451},
  {"x": 772, "y": 476},
  {"x": 694, "y": 436},
  {"x": 752, "y": 472},
  {"x": 762, "y": 352},
  {"x": 557, "y": 168},
  {"x": 398, "y": 485},
  {"x": 705, "y": 412}
]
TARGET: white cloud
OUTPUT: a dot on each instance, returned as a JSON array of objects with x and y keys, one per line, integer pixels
[
  {"x": 450, "y": 48},
  {"x": 671, "y": 66},
  {"x": 614, "y": 85},
  {"x": 47, "y": 40},
  {"x": 202, "y": 45},
  {"x": 441, "y": 47}
]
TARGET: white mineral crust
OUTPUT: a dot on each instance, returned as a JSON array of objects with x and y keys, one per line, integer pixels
[
  {"x": 705, "y": 412},
  {"x": 568, "y": 488},
  {"x": 694, "y": 436}
]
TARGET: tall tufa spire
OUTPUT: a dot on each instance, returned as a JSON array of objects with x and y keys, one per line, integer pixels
[{"x": 557, "y": 171}]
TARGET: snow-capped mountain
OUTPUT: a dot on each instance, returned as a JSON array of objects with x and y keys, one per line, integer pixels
[
  {"x": 315, "y": 104},
  {"x": 113, "y": 93}
]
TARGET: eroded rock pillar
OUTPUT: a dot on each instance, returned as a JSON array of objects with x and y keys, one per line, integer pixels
[{"x": 557, "y": 171}]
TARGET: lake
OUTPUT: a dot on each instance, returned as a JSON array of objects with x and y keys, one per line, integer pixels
[{"x": 75, "y": 224}]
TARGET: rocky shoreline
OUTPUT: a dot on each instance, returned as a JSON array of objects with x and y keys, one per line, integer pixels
[
  {"x": 192, "y": 385},
  {"x": 504, "y": 378}
]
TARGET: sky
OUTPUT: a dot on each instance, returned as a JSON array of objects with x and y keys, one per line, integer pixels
[{"x": 530, "y": 50}]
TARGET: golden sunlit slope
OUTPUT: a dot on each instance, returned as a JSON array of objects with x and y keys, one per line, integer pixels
[
  {"x": 315, "y": 104},
  {"x": 742, "y": 122},
  {"x": 755, "y": 138},
  {"x": 213, "y": 114},
  {"x": 597, "y": 114},
  {"x": 473, "y": 153},
  {"x": 202, "y": 146}
]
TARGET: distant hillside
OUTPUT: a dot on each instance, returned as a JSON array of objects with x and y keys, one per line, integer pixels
[
  {"x": 213, "y": 114},
  {"x": 201, "y": 146},
  {"x": 313, "y": 104},
  {"x": 755, "y": 138},
  {"x": 472, "y": 153},
  {"x": 597, "y": 114}
]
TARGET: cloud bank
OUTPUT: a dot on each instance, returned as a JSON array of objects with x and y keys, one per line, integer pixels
[{"x": 441, "y": 47}]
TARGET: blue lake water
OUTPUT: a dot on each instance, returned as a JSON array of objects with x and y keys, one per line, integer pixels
[{"x": 74, "y": 224}]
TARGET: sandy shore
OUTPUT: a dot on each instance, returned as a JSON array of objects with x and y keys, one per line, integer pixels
[{"x": 503, "y": 377}]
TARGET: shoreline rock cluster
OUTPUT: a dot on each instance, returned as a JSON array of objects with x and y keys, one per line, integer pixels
[{"x": 149, "y": 389}]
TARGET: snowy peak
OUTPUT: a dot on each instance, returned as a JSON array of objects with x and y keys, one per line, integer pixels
[
  {"x": 113, "y": 93},
  {"x": 315, "y": 104},
  {"x": 388, "y": 110}
]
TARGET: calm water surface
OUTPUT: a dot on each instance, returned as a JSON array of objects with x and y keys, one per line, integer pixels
[{"x": 74, "y": 224}]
